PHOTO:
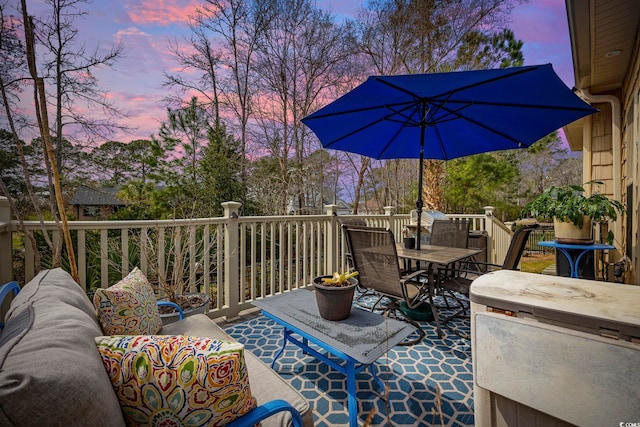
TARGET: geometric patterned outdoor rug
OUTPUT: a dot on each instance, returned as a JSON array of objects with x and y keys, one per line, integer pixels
[{"x": 412, "y": 374}]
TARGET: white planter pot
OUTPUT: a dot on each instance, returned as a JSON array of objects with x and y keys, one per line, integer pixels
[
  {"x": 173, "y": 317},
  {"x": 567, "y": 232}
]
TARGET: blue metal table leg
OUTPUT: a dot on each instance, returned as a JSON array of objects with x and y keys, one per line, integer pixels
[
  {"x": 578, "y": 258},
  {"x": 352, "y": 402},
  {"x": 350, "y": 368},
  {"x": 285, "y": 338},
  {"x": 573, "y": 265}
]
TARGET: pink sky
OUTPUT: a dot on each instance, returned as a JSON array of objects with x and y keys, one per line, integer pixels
[{"x": 146, "y": 26}]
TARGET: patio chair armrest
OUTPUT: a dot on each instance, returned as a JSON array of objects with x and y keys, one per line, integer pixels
[
  {"x": 489, "y": 266},
  {"x": 265, "y": 411},
  {"x": 423, "y": 287},
  {"x": 5, "y": 290},
  {"x": 174, "y": 305},
  {"x": 414, "y": 274}
]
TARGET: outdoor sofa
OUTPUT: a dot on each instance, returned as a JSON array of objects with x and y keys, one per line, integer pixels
[{"x": 51, "y": 372}]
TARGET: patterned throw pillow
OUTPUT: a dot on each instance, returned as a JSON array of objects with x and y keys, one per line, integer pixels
[
  {"x": 129, "y": 307},
  {"x": 177, "y": 380}
]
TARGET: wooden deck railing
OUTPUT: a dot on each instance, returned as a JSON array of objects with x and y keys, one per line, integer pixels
[{"x": 234, "y": 259}]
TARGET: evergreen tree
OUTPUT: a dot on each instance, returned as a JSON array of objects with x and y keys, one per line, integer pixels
[
  {"x": 475, "y": 181},
  {"x": 220, "y": 172},
  {"x": 11, "y": 171}
]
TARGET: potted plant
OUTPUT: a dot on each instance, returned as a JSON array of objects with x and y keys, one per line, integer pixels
[
  {"x": 334, "y": 294},
  {"x": 179, "y": 289},
  {"x": 409, "y": 240},
  {"x": 172, "y": 263},
  {"x": 573, "y": 212},
  {"x": 173, "y": 266}
]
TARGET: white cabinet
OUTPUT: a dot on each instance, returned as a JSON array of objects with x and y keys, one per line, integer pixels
[{"x": 554, "y": 351}]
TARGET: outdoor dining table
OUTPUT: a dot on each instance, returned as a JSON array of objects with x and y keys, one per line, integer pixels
[
  {"x": 442, "y": 256},
  {"x": 432, "y": 254}
]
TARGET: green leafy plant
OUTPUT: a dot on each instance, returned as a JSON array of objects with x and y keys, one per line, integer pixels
[{"x": 569, "y": 203}]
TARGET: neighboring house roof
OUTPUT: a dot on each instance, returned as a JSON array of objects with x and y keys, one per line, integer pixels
[
  {"x": 96, "y": 197},
  {"x": 342, "y": 204}
]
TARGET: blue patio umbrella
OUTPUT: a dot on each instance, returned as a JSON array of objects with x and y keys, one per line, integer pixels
[{"x": 447, "y": 115}]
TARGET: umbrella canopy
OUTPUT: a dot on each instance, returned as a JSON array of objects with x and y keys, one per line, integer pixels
[{"x": 447, "y": 115}]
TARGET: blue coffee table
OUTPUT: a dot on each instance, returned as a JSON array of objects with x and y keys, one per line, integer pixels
[{"x": 358, "y": 341}]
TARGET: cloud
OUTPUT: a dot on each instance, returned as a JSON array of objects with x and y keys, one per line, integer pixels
[
  {"x": 135, "y": 82},
  {"x": 130, "y": 32},
  {"x": 146, "y": 55},
  {"x": 145, "y": 113},
  {"x": 161, "y": 12}
]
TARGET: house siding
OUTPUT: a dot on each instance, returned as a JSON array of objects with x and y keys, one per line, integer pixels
[
  {"x": 601, "y": 167},
  {"x": 630, "y": 167},
  {"x": 601, "y": 149},
  {"x": 596, "y": 28}
]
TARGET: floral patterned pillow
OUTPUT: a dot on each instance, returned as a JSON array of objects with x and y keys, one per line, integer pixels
[
  {"x": 177, "y": 380},
  {"x": 129, "y": 307}
]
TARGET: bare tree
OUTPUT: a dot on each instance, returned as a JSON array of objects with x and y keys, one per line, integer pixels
[
  {"x": 546, "y": 163},
  {"x": 202, "y": 57},
  {"x": 13, "y": 75},
  {"x": 42, "y": 115},
  {"x": 264, "y": 65},
  {"x": 420, "y": 36},
  {"x": 68, "y": 69},
  {"x": 302, "y": 56},
  {"x": 62, "y": 74},
  {"x": 222, "y": 47}
]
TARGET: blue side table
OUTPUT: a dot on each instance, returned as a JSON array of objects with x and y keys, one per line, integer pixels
[{"x": 574, "y": 253}]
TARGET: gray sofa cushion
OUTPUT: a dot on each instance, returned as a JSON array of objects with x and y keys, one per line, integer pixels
[
  {"x": 50, "y": 368},
  {"x": 266, "y": 384}
]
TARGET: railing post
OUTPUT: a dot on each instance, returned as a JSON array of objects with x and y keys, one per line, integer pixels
[
  {"x": 6, "y": 247},
  {"x": 389, "y": 211},
  {"x": 332, "y": 242},
  {"x": 231, "y": 259},
  {"x": 488, "y": 226}
]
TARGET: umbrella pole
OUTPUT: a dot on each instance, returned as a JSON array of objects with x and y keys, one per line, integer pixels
[{"x": 419, "y": 202}]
